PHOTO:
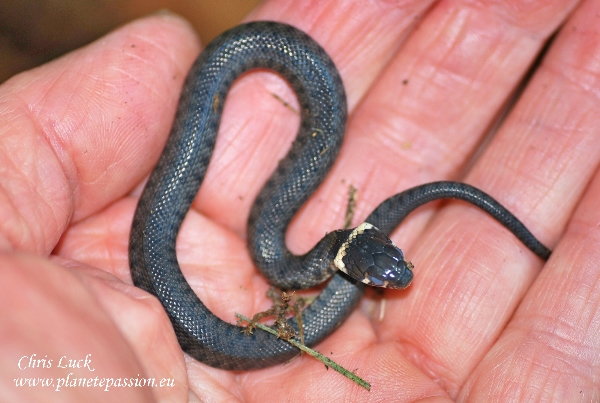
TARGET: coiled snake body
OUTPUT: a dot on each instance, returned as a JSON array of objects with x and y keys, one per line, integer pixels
[{"x": 176, "y": 179}]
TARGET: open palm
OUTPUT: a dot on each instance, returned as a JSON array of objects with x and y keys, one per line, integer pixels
[{"x": 485, "y": 319}]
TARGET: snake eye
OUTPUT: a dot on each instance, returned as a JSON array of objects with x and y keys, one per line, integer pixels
[{"x": 371, "y": 257}]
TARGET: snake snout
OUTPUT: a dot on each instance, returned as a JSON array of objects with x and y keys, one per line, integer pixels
[
  {"x": 391, "y": 271},
  {"x": 371, "y": 257}
]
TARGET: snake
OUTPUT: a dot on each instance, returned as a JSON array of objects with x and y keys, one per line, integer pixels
[{"x": 349, "y": 258}]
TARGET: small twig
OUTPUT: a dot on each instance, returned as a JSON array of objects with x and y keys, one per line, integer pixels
[
  {"x": 327, "y": 361},
  {"x": 285, "y": 103},
  {"x": 350, "y": 207},
  {"x": 281, "y": 307}
]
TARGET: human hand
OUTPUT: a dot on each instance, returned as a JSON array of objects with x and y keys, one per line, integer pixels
[{"x": 480, "y": 322}]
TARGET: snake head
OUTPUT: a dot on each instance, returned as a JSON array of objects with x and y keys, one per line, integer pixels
[{"x": 369, "y": 256}]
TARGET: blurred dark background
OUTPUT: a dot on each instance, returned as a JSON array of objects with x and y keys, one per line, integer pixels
[{"x": 35, "y": 31}]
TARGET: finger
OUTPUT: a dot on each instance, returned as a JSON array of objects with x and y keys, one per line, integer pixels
[
  {"x": 470, "y": 272},
  {"x": 143, "y": 322},
  {"x": 82, "y": 130},
  {"x": 552, "y": 344},
  {"x": 46, "y": 330}
]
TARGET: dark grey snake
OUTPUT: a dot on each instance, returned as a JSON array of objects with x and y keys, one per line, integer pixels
[{"x": 364, "y": 253}]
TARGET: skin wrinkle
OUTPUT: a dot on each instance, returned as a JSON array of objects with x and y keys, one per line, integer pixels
[
  {"x": 58, "y": 142},
  {"x": 560, "y": 344},
  {"x": 474, "y": 300},
  {"x": 572, "y": 166},
  {"x": 118, "y": 157},
  {"x": 110, "y": 259},
  {"x": 533, "y": 18},
  {"x": 213, "y": 288},
  {"x": 419, "y": 138},
  {"x": 426, "y": 362},
  {"x": 230, "y": 147},
  {"x": 468, "y": 241},
  {"x": 323, "y": 19},
  {"x": 572, "y": 77},
  {"x": 89, "y": 245},
  {"x": 514, "y": 359},
  {"x": 413, "y": 81},
  {"x": 541, "y": 333},
  {"x": 47, "y": 205},
  {"x": 12, "y": 244},
  {"x": 214, "y": 283},
  {"x": 263, "y": 84},
  {"x": 115, "y": 251},
  {"x": 49, "y": 83},
  {"x": 164, "y": 50},
  {"x": 275, "y": 142},
  {"x": 116, "y": 85},
  {"x": 546, "y": 117},
  {"x": 452, "y": 35},
  {"x": 582, "y": 292},
  {"x": 553, "y": 370},
  {"x": 557, "y": 109},
  {"x": 505, "y": 311},
  {"x": 515, "y": 166},
  {"x": 479, "y": 70},
  {"x": 427, "y": 366},
  {"x": 38, "y": 106},
  {"x": 554, "y": 153},
  {"x": 528, "y": 114},
  {"x": 132, "y": 77},
  {"x": 454, "y": 311},
  {"x": 503, "y": 55},
  {"x": 433, "y": 160},
  {"x": 75, "y": 79},
  {"x": 440, "y": 363},
  {"x": 351, "y": 50},
  {"x": 264, "y": 143},
  {"x": 152, "y": 340},
  {"x": 437, "y": 36},
  {"x": 304, "y": 231},
  {"x": 510, "y": 199},
  {"x": 25, "y": 186},
  {"x": 451, "y": 287},
  {"x": 459, "y": 45},
  {"x": 369, "y": 178}
]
